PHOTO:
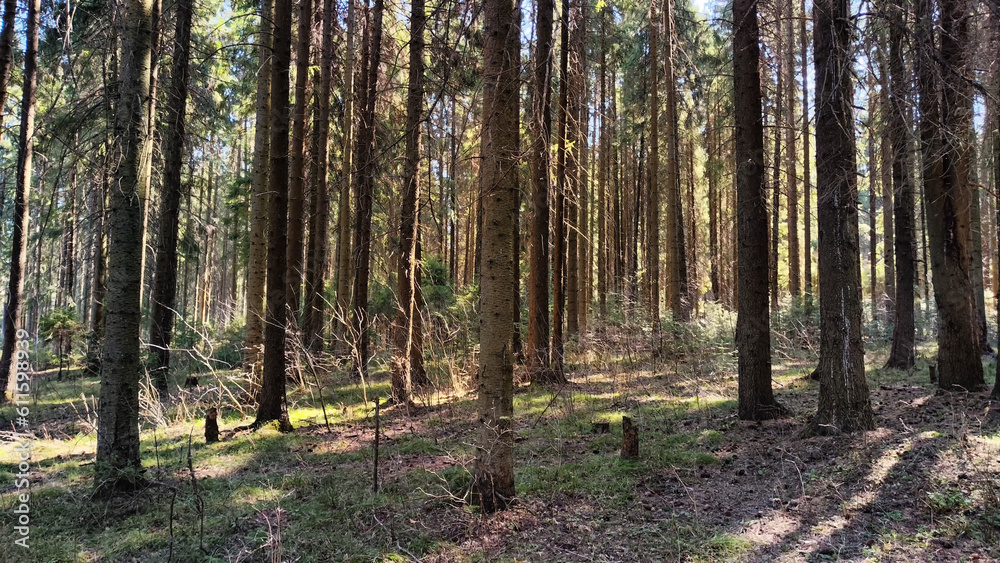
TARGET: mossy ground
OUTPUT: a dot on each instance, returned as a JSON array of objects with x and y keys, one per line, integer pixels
[{"x": 925, "y": 485}]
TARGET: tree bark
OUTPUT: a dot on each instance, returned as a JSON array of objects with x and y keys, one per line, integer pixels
[
  {"x": 753, "y": 337},
  {"x": 408, "y": 366},
  {"x": 494, "y": 470},
  {"x": 559, "y": 228},
  {"x": 296, "y": 179},
  {"x": 901, "y": 356},
  {"x": 844, "y": 403},
  {"x": 118, "y": 463},
  {"x": 806, "y": 167},
  {"x": 164, "y": 291},
  {"x": 652, "y": 248},
  {"x": 364, "y": 195},
  {"x": 948, "y": 194},
  {"x": 271, "y": 402},
  {"x": 257, "y": 262},
  {"x": 315, "y": 300},
  {"x": 540, "y": 162},
  {"x": 344, "y": 253},
  {"x": 19, "y": 237}
]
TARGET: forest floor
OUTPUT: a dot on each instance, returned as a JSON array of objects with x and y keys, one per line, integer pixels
[{"x": 923, "y": 486}]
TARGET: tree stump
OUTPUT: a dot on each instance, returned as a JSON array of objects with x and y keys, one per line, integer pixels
[
  {"x": 212, "y": 426},
  {"x": 932, "y": 369},
  {"x": 630, "y": 440}
]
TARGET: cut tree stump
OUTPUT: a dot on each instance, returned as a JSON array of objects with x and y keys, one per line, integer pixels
[
  {"x": 212, "y": 426},
  {"x": 630, "y": 440}
]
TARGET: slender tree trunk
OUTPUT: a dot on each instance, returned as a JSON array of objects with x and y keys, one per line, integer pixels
[
  {"x": 753, "y": 337},
  {"x": 680, "y": 301},
  {"x": 844, "y": 402},
  {"x": 652, "y": 248},
  {"x": 791, "y": 159},
  {"x": 164, "y": 291},
  {"x": 315, "y": 309},
  {"x": 19, "y": 237},
  {"x": 364, "y": 195},
  {"x": 603, "y": 167},
  {"x": 539, "y": 162},
  {"x": 872, "y": 214},
  {"x": 118, "y": 463},
  {"x": 806, "y": 166},
  {"x": 901, "y": 355},
  {"x": 574, "y": 169},
  {"x": 344, "y": 251},
  {"x": 888, "y": 205},
  {"x": 976, "y": 244},
  {"x": 559, "y": 228},
  {"x": 271, "y": 402},
  {"x": 408, "y": 367},
  {"x": 6, "y": 49},
  {"x": 257, "y": 262},
  {"x": 296, "y": 180},
  {"x": 948, "y": 194},
  {"x": 494, "y": 472},
  {"x": 779, "y": 97}
]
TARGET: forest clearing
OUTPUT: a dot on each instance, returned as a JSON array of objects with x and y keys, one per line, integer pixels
[{"x": 707, "y": 487}]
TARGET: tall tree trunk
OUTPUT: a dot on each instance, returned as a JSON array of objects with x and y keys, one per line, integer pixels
[
  {"x": 164, "y": 292},
  {"x": 19, "y": 237},
  {"x": 344, "y": 252},
  {"x": 603, "y": 168},
  {"x": 792, "y": 158},
  {"x": 806, "y": 166},
  {"x": 257, "y": 262},
  {"x": 494, "y": 471},
  {"x": 753, "y": 336},
  {"x": 364, "y": 194},
  {"x": 779, "y": 97},
  {"x": 118, "y": 463},
  {"x": 681, "y": 302},
  {"x": 408, "y": 367},
  {"x": 948, "y": 193},
  {"x": 872, "y": 214},
  {"x": 901, "y": 355},
  {"x": 539, "y": 162},
  {"x": 559, "y": 228},
  {"x": 67, "y": 261},
  {"x": 296, "y": 179},
  {"x": 271, "y": 401},
  {"x": 652, "y": 248},
  {"x": 888, "y": 205},
  {"x": 315, "y": 309},
  {"x": 844, "y": 402},
  {"x": 976, "y": 245},
  {"x": 6, "y": 49},
  {"x": 574, "y": 169}
]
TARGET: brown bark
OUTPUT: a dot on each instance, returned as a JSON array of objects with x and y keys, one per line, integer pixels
[
  {"x": 753, "y": 337},
  {"x": 347, "y": 177},
  {"x": 12, "y": 314},
  {"x": 948, "y": 194},
  {"x": 494, "y": 471},
  {"x": 844, "y": 403},
  {"x": 271, "y": 400},
  {"x": 297, "y": 172},
  {"x": 364, "y": 185},
  {"x": 118, "y": 463},
  {"x": 651, "y": 281},
  {"x": 540, "y": 162},
  {"x": 319, "y": 204},
  {"x": 680, "y": 300},
  {"x": 257, "y": 262},
  {"x": 163, "y": 295},
  {"x": 408, "y": 365},
  {"x": 806, "y": 166},
  {"x": 901, "y": 355},
  {"x": 791, "y": 160},
  {"x": 559, "y": 228}
]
